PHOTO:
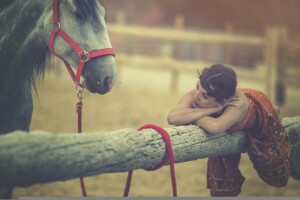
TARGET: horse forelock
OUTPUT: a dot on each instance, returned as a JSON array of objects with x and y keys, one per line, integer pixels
[{"x": 89, "y": 8}]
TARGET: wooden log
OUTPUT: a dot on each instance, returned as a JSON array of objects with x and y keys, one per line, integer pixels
[{"x": 41, "y": 157}]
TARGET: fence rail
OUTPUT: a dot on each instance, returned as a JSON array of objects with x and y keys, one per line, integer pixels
[
  {"x": 40, "y": 157},
  {"x": 267, "y": 56},
  {"x": 184, "y": 35}
]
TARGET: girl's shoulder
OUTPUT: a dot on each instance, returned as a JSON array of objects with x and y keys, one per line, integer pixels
[
  {"x": 186, "y": 100},
  {"x": 242, "y": 98}
]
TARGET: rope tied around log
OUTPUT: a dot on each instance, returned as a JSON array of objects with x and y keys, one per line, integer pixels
[{"x": 168, "y": 157}]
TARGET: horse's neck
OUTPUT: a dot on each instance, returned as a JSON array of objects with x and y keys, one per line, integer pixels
[
  {"x": 15, "y": 114},
  {"x": 21, "y": 44},
  {"x": 21, "y": 38}
]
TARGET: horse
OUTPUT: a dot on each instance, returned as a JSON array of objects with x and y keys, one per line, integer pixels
[{"x": 25, "y": 49}]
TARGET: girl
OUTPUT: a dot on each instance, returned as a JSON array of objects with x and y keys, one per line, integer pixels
[{"x": 216, "y": 105}]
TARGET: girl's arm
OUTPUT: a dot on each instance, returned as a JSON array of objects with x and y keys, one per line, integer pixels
[
  {"x": 233, "y": 113},
  {"x": 184, "y": 113}
]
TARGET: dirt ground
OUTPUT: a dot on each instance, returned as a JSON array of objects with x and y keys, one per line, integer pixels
[{"x": 54, "y": 111}]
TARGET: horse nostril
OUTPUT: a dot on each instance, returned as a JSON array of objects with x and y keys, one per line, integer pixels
[{"x": 107, "y": 82}]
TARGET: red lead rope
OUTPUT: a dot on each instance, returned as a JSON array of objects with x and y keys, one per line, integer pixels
[
  {"x": 79, "y": 130},
  {"x": 169, "y": 156},
  {"x": 84, "y": 57}
]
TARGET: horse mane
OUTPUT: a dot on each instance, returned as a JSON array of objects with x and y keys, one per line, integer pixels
[
  {"x": 44, "y": 62},
  {"x": 7, "y": 9},
  {"x": 5, "y": 3},
  {"x": 88, "y": 8}
]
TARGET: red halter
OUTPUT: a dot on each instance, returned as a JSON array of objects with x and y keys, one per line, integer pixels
[{"x": 84, "y": 55}]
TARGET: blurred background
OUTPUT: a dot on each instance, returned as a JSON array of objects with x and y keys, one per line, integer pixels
[
  {"x": 160, "y": 46},
  {"x": 259, "y": 38}
]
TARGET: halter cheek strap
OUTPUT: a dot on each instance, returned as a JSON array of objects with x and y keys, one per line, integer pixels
[{"x": 84, "y": 55}]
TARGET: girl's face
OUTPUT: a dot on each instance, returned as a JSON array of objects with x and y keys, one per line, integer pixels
[{"x": 202, "y": 99}]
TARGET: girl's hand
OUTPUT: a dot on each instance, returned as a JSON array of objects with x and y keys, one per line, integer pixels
[
  {"x": 238, "y": 99},
  {"x": 233, "y": 101}
]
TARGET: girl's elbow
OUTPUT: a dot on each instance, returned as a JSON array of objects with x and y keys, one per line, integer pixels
[
  {"x": 174, "y": 120},
  {"x": 215, "y": 128},
  {"x": 214, "y": 131},
  {"x": 171, "y": 119}
]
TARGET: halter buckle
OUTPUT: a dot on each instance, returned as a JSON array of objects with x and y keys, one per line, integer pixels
[
  {"x": 56, "y": 26},
  {"x": 84, "y": 56},
  {"x": 79, "y": 92}
]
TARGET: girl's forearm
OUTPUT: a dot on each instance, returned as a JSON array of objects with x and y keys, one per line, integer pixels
[
  {"x": 209, "y": 124},
  {"x": 213, "y": 125},
  {"x": 185, "y": 116}
]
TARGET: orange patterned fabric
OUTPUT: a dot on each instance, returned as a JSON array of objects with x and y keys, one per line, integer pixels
[{"x": 268, "y": 149}]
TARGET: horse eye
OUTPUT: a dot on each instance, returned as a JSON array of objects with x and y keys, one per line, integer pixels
[{"x": 79, "y": 16}]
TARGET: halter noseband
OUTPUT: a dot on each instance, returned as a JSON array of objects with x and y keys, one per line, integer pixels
[{"x": 84, "y": 55}]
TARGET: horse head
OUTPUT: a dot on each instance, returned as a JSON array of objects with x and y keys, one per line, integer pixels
[{"x": 83, "y": 22}]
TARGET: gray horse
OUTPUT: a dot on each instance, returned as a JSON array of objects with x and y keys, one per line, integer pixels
[{"x": 24, "y": 48}]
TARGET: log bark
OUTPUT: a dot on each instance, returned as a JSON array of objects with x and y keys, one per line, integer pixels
[{"x": 41, "y": 157}]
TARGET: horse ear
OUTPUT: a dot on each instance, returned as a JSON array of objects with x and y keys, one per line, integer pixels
[{"x": 70, "y": 4}]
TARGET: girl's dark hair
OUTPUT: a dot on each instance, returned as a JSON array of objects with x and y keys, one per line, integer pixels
[{"x": 219, "y": 81}]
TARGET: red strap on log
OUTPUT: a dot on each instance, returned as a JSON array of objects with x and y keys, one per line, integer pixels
[{"x": 168, "y": 157}]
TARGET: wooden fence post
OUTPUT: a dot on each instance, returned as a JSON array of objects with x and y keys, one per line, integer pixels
[
  {"x": 178, "y": 26},
  {"x": 179, "y": 22},
  {"x": 120, "y": 17},
  {"x": 174, "y": 80},
  {"x": 281, "y": 68},
  {"x": 228, "y": 47},
  {"x": 275, "y": 53}
]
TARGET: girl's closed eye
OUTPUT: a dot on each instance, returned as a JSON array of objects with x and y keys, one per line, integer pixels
[{"x": 205, "y": 96}]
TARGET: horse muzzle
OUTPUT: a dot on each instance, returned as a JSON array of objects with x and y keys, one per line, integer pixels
[{"x": 99, "y": 75}]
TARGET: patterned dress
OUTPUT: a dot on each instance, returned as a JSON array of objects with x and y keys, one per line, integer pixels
[{"x": 268, "y": 149}]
